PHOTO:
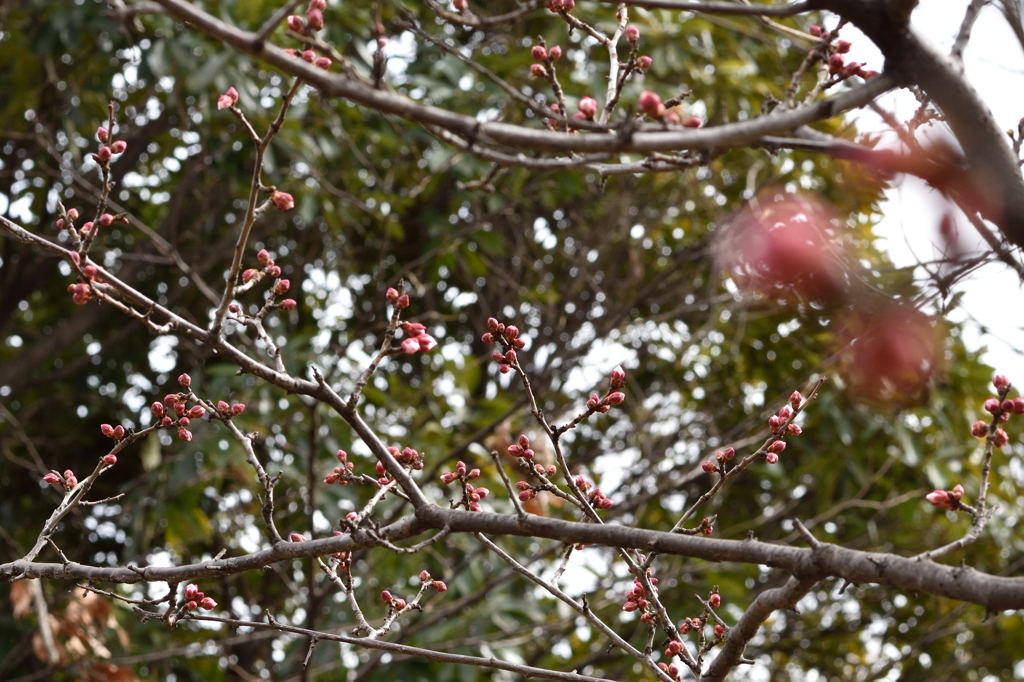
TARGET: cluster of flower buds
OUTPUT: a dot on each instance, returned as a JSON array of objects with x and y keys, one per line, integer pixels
[
  {"x": 508, "y": 337},
  {"x": 81, "y": 293},
  {"x": 113, "y": 432},
  {"x": 417, "y": 339},
  {"x": 230, "y": 410},
  {"x": 706, "y": 526},
  {"x": 779, "y": 424},
  {"x": 105, "y": 151},
  {"x": 632, "y": 33},
  {"x": 410, "y": 458},
  {"x": 393, "y": 602},
  {"x": 837, "y": 65},
  {"x": 177, "y": 404},
  {"x": 521, "y": 448},
  {"x": 342, "y": 475},
  {"x": 669, "y": 669},
  {"x": 946, "y": 499},
  {"x": 596, "y": 403},
  {"x": 636, "y": 598},
  {"x": 269, "y": 268},
  {"x": 473, "y": 494},
  {"x": 560, "y": 5},
  {"x": 721, "y": 457},
  {"x": 437, "y": 585},
  {"x": 67, "y": 219},
  {"x": 68, "y": 479},
  {"x": 689, "y": 625},
  {"x": 594, "y": 494},
  {"x": 400, "y": 301},
  {"x": 1000, "y": 408},
  {"x": 194, "y": 599},
  {"x": 307, "y": 26}
]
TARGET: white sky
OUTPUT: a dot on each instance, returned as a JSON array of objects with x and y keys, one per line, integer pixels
[{"x": 994, "y": 63}]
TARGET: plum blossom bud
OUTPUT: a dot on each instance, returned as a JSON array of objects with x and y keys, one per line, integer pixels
[
  {"x": 554, "y": 53},
  {"x": 979, "y": 429},
  {"x": 777, "y": 446},
  {"x": 786, "y": 412},
  {"x": 719, "y": 630},
  {"x": 1018, "y": 405},
  {"x": 410, "y": 346},
  {"x": 439, "y": 586},
  {"x": 815, "y": 30},
  {"x": 539, "y": 53},
  {"x": 296, "y": 537},
  {"x": 263, "y": 258},
  {"x": 771, "y": 458},
  {"x": 391, "y": 295},
  {"x": 296, "y": 23},
  {"x": 794, "y": 429},
  {"x": 618, "y": 377},
  {"x": 650, "y": 104},
  {"x": 726, "y": 454},
  {"x": 644, "y": 62},
  {"x": 107, "y": 430},
  {"x": 102, "y": 134},
  {"x": 315, "y": 18},
  {"x": 119, "y": 146},
  {"x": 106, "y": 219},
  {"x": 282, "y": 286},
  {"x": 1000, "y": 382},
  {"x": 237, "y": 409},
  {"x": 999, "y": 438},
  {"x": 282, "y": 200},
  {"x": 185, "y": 380},
  {"x": 103, "y": 153},
  {"x": 957, "y": 492},
  {"x": 588, "y": 107},
  {"x": 207, "y": 603},
  {"x": 110, "y": 459},
  {"x": 692, "y": 122},
  {"x": 228, "y": 99},
  {"x": 708, "y": 466},
  {"x": 460, "y": 5},
  {"x": 51, "y": 478},
  {"x": 118, "y": 432},
  {"x": 318, "y": 5},
  {"x": 843, "y": 46},
  {"x": 941, "y": 499},
  {"x": 714, "y": 600},
  {"x": 403, "y": 302},
  {"x": 992, "y": 405},
  {"x": 632, "y": 33},
  {"x": 289, "y": 304},
  {"x": 399, "y": 604},
  {"x": 425, "y": 576},
  {"x": 774, "y": 423},
  {"x": 70, "y": 480},
  {"x": 795, "y": 398},
  {"x": 538, "y": 70},
  {"x": 196, "y": 411},
  {"x": 615, "y": 398},
  {"x": 72, "y": 214},
  {"x": 185, "y": 435}
]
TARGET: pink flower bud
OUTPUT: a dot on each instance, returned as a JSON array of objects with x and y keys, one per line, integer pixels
[
  {"x": 475, "y": 473},
  {"x": 282, "y": 200},
  {"x": 794, "y": 429},
  {"x": 107, "y": 430},
  {"x": 708, "y": 466},
  {"x": 72, "y": 214},
  {"x": 51, "y": 478},
  {"x": 999, "y": 438},
  {"x": 538, "y": 70},
  {"x": 771, "y": 458},
  {"x": 185, "y": 435},
  {"x": 816, "y": 30},
  {"x": 110, "y": 459},
  {"x": 1001, "y": 382},
  {"x": 391, "y": 294},
  {"x": 992, "y": 405},
  {"x": 539, "y": 53},
  {"x": 103, "y": 153},
  {"x": 318, "y": 5},
  {"x": 979, "y": 429},
  {"x": 403, "y": 302},
  {"x": 399, "y": 604},
  {"x": 941, "y": 499},
  {"x": 587, "y": 106},
  {"x": 842, "y": 46},
  {"x": 323, "y": 63},
  {"x": 315, "y": 18},
  {"x": 196, "y": 411},
  {"x": 102, "y": 134},
  {"x": 410, "y": 346},
  {"x": 1018, "y": 405},
  {"x": 714, "y": 600},
  {"x": 692, "y": 122},
  {"x": 673, "y": 648},
  {"x": 957, "y": 492},
  {"x": 282, "y": 286},
  {"x": 618, "y": 377},
  {"x": 650, "y": 104},
  {"x": 439, "y": 586},
  {"x": 237, "y": 409},
  {"x": 615, "y": 398},
  {"x": 727, "y": 454},
  {"x": 554, "y": 53},
  {"x": 207, "y": 603},
  {"x": 183, "y": 379},
  {"x": 119, "y": 146},
  {"x": 118, "y": 432},
  {"x": 70, "y": 480},
  {"x": 629, "y": 606},
  {"x": 386, "y": 596},
  {"x": 719, "y": 630},
  {"x": 644, "y": 62},
  {"x": 106, "y": 219},
  {"x": 296, "y": 23},
  {"x": 289, "y": 304},
  {"x": 774, "y": 423},
  {"x": 228, "y": 99},
  {"x": 777, "y": 446},
  {"x": 632, "y": 33},
  {"x": 786, "y": 412}
]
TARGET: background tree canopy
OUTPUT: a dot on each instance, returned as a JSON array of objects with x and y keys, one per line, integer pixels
[{"x": 598, "y": 267}]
